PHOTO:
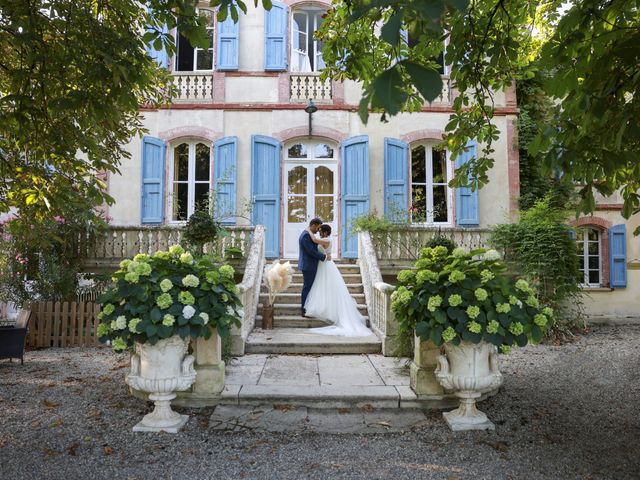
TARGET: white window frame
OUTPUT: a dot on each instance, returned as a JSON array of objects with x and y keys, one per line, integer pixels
[
  {"x": 198, "y": 49},
  {"x": 429, "y": 184},
  {"x": 582, "y": 238},
  {"x": 191, "y": 176},
  {"x": 317, "y": 53}
]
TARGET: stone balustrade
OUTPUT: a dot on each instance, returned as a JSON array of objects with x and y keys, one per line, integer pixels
[
  {"x": 193, "y": 87},
  {"x": 304, "y": 86}
]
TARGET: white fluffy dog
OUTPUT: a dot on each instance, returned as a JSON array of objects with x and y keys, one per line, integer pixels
[{"x": 278, "y": 278}]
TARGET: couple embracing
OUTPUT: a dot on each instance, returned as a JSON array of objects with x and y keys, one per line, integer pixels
[{"x": 324, "y": 293}]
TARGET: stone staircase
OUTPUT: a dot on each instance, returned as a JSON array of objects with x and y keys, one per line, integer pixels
[{"x": 289, "y": 334}]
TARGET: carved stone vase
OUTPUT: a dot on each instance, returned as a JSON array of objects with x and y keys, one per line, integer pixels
[
  {"x": 161, "y": 370},
  {"x": 469, "y": 369}
]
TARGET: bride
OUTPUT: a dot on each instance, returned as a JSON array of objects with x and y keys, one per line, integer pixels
[{"x": 329, "y": 297}]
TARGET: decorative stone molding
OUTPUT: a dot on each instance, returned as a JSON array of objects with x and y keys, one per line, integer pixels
[
  {"x": 426, "y": 134},
  {"x": 324, "y": 132},
  {"x": 591, "y": 221},
  {"x": 189, "y": 132}
]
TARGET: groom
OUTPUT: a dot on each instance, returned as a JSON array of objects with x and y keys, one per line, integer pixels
[{"x": 308, "y": 259}]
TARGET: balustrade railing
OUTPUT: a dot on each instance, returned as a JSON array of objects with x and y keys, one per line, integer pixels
[
  {"x": 304, "y": 86},
  {"x": 193, "y": 87},
  {"x": 445, "y": 95},
  {"x": 404, "y": 244},
  {"x": 250, "y": 291},
  {"x": 118, "y": 243}
]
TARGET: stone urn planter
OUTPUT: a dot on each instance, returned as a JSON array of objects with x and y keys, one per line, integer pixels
[
  {"x": 469, "y": 369},
  {"x": 161, "y": 370}
]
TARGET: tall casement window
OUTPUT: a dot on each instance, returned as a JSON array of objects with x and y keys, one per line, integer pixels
[
  {"x": 589, "y": 251},
  {"x": 191, "y": 176},
  {"x": 306, "y": 52},
  {"x": 431, "y": 197},
  {"x": 195, "y": 59}
]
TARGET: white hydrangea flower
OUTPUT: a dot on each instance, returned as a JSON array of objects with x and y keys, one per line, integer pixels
[
  {"x": 230, "y": 310},
  {"x": 459, "y": 252},
  {"x": 121, "y": 322},
  {"x": 204, "y": 316},
  {"x": 190, "y": 281},
  {"x": 166, "y": 285},
  {"x": 491, "y": 255},
  {"x": 188, "y": 311}
]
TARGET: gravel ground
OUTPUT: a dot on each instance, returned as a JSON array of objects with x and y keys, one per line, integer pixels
[{"x": 567, "y": 411}]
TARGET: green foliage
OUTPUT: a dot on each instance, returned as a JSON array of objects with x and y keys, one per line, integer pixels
[
  {"x": 540, "y": 247},
  {"x": 41, "y": 258},
  {"x": 441, "y": 241},
  {"x": 200, "y": 229},
  {"x": 168, "y": 294},
  {"x": 467, "y": 296}
]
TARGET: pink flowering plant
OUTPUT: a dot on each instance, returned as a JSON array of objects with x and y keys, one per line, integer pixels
[
  {"x": 467, "y": 296},
  {"x": 169, "y": 293}
]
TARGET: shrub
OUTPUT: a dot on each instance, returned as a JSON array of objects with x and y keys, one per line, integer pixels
[{"x": 441, "y": 240}]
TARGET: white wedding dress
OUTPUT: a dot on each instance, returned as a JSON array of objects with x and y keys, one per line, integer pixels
[{"x": 329, "y": 299}]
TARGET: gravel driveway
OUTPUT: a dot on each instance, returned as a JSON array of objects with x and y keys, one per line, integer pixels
[{"x": 563, "y": 412}]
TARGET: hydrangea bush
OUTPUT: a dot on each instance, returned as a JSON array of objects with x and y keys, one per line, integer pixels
[
  {"x": 167, "y": 294},
  {"x": 466, "y": 295}
]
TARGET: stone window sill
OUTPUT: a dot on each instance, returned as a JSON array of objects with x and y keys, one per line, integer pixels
[{"x": 597, "y": 289}]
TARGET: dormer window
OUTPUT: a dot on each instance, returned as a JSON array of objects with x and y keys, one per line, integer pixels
[
  {"x": 306, "y": 52},
  {"x": 195, "y": 59}
]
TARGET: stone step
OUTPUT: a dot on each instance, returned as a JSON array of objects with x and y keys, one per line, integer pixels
[
  {"x": 297, "y": 288},
  {"x": 295, "y": 321},
  {"x": 347, "y": 277},
  {"x": 294, "y": 298},
  {"x": 342, "y": 266},
  {"x": 292, "y": 340},
  {"x": 294, "y": 308}
]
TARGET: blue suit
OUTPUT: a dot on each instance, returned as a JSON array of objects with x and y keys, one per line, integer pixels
[{"x": 308, "y": 259}]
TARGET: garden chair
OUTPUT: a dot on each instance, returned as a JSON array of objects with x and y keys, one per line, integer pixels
[{"x": 12, "y": 339}]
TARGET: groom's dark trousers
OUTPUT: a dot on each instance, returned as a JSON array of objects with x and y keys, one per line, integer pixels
[{"x": 308, "y": 263}]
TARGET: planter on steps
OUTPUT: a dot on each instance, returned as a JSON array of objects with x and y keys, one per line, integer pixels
[{"x": 267, "y": 316}]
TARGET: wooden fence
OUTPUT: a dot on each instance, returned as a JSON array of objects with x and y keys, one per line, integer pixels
[{"x": 63, "y": 324}]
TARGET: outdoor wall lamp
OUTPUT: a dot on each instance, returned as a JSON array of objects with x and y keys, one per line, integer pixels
[{"x": 310, "y": 109}]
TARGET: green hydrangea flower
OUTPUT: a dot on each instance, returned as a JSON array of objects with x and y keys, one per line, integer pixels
[
  {"x": 164, "y": 301},
  {"x": 108, "y": 309},
  {"x": 455, "y": 300},
  {"x": 481, "y": 294},
  {"x": 426, "y": 276},
  {"x": 162, "y": 255},
  {"x": 503, "y": 308},
  {"x": 141, "y": 257},
  {"x": 473, "y": 311},
  {"x": 186, "y": 298},
  {"x": 456, "y": 276},
  {"x": 212, "y": 276},
  {"x": 486, "y": 276},
  {"x": 133, "y": 324},
  {"x": 112, "y": 325},
  {"x": 522, "y": 285},
  {"x": 166, "y": 285},
  {"x": 516, "y": 328},
  {"x": 227, "y": 271},
  {"x": 513, "y": 300},
  {"x": 492, "y": 327},
  {"x": 540, "y": 320},
  {"x": 532, "y": 301},
  {"x": 401, "y": 297},
  {"x": 406, "y": 276},
  {"x": 186, "y": 258},
  {"x": 439, "y": 251},
  {"x": 144, "y": 269},
  {"x": 423, "y": 263},
  {"x": 225, "y": 298},
  {"x": 448, "y": 334},
  {"x": 102, "y": 330},
  {"x": 118, "y": 344},
  {"x": 548, "y": 311},
  {"x": 176, "y": 250},
  {"x": 474, "y": 327},
  {"x": 459, "y": 252},
  {"x": 133, "y": 266},
  {"x": 132, "y": 277},
  {"x": 425, "y": 252},
  {"x": 124, "y": 264},
  {"x": 168, "y": 320},
  {"x": 190, "y": 281},
  {"x": 205, "y": 316},
  {"x": 505, "y": 349},
  {"x": 434, "y": 302}
]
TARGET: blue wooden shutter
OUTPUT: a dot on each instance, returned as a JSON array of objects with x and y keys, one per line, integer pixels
[
  {"x": 265, "y": 190},
  {"x": 161, "y": 56},
  {"x": 152, "y": 204},
  {"x": 275, "y": 37},
  {"x": 355, "y": 189},
  {"x": 227, "y": 51},
  {"x": 618, "y": 256},
  {"x": 467, "y": 208},
  {"x": 225, "y": 153},
  {"x": 396, "y": 177}
]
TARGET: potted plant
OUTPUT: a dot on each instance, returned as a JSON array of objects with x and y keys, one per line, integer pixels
[
  {"x": 465, "y": 301},
  {"x": 157, "y": 304},
  {"x": 277, "y": 278}
]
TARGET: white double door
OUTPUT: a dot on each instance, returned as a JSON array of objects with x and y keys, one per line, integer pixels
[{"x": 310, "y": 191}]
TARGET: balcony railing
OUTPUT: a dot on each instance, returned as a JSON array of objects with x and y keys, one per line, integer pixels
[
  {"x": 193, "y": 87},
  {"x": 304, "y": 86}
]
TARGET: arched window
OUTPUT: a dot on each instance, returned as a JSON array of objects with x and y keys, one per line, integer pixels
[
  {"x": 431, "y": 198},
  {"x": 306, "y": 51},
  {"x": 190, "y": 179},
  {"x": 589, "y": 250},
  {"x": 194, "y": 59}
]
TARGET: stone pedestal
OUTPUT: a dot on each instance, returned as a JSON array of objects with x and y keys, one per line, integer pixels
[
  {"x": 209, "y": 366},
  {"x": 425, "y": 360}
]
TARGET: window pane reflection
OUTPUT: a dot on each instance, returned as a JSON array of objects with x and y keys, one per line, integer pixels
[
  {"x": 180, "y": 201},
  {"x": 440, "y": 213},
  {"x": 298, "y": 150},
  {"x": 418, "y": 204},
  {"x": 181, "y": 163},
  {"x": 297, "y": 181},
  {"x": 324, "y": 180},
  {"x": 297, "y": 209},
  {"x": 202, "y": 162},
  {"x": 418, "y": 173},
  {"x": 324, "y": 208},
  {"x": 323, "y": 150},
  {"x": 439, "y": 166}
]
